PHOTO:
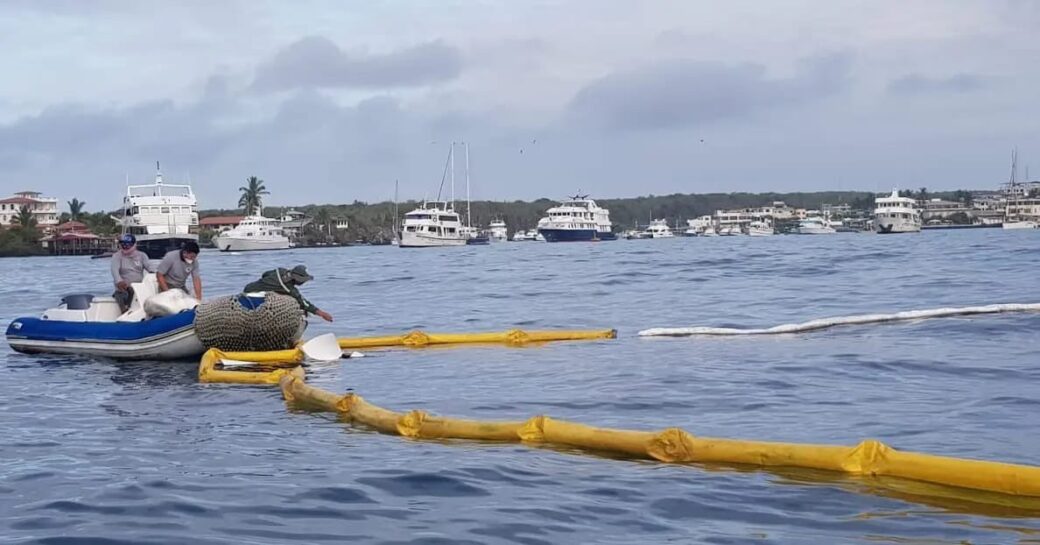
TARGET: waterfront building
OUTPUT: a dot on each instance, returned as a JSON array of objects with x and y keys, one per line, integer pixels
[
  {"x": 44, "y": 209},
  {"x": 220, "y": 223}
]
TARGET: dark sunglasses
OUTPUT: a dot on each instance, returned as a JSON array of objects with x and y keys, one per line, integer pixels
[{"x": 126, "y": 244}]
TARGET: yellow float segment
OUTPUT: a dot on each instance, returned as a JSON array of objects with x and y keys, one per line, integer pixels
[
  {"x": 870, "y": 458},
  {"x": 515, "y": 337},
  {"x": 286, "y": 361}
]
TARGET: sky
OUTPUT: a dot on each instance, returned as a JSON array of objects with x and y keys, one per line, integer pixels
[{"x": 334, "y": 101}]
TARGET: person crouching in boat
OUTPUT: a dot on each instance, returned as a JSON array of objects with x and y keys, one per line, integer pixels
[
  {"x": 128, "y": 267},
  {"x": 284, "y": 281},
  {"x": 177, "y": 265}
]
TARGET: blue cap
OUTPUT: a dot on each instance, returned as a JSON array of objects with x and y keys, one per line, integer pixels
[{"x": 128, "y": 239}]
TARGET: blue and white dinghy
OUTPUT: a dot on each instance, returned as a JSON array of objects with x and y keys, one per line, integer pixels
[{"x": 91, "y": 325}]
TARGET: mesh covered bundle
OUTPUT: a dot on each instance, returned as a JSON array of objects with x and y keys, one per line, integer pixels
[{"x": 250, "y": 324}]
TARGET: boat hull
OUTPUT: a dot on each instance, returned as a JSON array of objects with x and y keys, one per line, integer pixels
[
  {"x": 416, "y": 240},
  {"x": 166, "y": 338},
  {"x": 157, "y": 246},
  {"x": 235, "y": 244},
  {"x": 575, "y": 235},
  {"x": 815, "y": 231},
  {"x": 1016, "y": 225}
]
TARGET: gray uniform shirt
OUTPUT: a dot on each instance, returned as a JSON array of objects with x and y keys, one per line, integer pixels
[
  {"x": 176, "y": 270},
  {"x": 130, "y": 268}
]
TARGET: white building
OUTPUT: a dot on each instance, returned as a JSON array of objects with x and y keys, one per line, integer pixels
[{"x": 44, "y": 209}]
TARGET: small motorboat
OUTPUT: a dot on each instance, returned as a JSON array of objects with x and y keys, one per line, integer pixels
[{"x": 92, "y": 325}]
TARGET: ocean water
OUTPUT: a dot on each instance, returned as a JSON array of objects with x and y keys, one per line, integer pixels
[{"x": 95, "y": 451}]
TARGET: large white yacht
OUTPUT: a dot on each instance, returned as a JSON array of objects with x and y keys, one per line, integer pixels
[
  {"x": 658, "y": 229},
  {"x": 251, "y": 234},
  {"x": 814, "y": 225},
  {"x": 161, "y": 216},
  {"x": 497, "y": 231},
  {"x": 895, "y": 214},
  {"x": 577, "y": 219},
  {"x": 432, "y": 224}
]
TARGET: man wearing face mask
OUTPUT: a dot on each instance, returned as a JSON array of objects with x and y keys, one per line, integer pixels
[
  {"x": 284, "y": 281},
  {"x": 176, "y": 266},
  {"x": 128, "y": 267}
]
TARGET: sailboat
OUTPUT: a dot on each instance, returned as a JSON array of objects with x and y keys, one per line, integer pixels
[
  {"x": 435, "y": 223},
  {"x": 476, "y": 236},
  {"x": 1020, "y": 210}
]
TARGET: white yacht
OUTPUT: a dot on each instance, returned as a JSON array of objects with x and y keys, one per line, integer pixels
[
  {"x": 253, "y": 233},
  {"x": 703, "y": 226},
  {"x": 730, "y": 230},
  {"x": 895, "y": 214},
  {"x": 497, "y": 231},
  {"x": 1020, "y": 210},
  {"x": 432, "y": 224},
  {"x": 759, "y": 228},
  {"x": 520, "y": 236},
  {"x": 814, "y": 225},
  {"x": 577, "y": 219},
  {"x": 658, "y": 229},
  {"x": 161, "y": 216}
]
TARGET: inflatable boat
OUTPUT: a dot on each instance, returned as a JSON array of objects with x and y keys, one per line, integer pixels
[{"x": 91, "y": 325}]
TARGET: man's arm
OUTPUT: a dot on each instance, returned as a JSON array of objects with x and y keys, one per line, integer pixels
[
  {"x": 116, "y": 279},
  {"x": 148, "y": 265},
  {"x": 160, "y": 273}
]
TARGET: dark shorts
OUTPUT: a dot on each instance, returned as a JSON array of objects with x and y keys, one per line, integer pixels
[{"x": 124, "y": 298}]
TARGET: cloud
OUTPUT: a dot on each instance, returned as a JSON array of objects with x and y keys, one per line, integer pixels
[
  {"x": 916, "y": 84},
  {"x": 685, "y": 93},
  {"x": 316, "y": 61}
]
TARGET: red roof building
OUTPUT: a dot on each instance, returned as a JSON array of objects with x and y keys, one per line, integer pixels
[{"x": 220, "y": 223}]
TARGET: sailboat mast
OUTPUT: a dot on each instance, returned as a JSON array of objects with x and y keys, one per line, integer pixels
[
  {"x": 396, "y": 213},
  {"x": 469, "y": 212},
  {"x": 451, "y": 159}
]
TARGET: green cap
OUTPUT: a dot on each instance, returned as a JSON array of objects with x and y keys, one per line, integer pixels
[{"x": 299, "y": 273}]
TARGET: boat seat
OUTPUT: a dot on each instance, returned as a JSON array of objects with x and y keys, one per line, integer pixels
[
  {"x": 144, "y": 289},
  {"x": 77, "y": 301}
]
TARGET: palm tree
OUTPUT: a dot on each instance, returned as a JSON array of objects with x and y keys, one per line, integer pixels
[
  {"x": 251, "y": 195},
  {"x": 923, "y": 194},
  {"x": 25, "y": 218},
  {"x": 76, "y": 208},
  {"x": 323, "y": 218}
]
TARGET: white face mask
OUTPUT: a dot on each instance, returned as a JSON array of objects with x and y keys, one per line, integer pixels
[{"x": 189, "y": 261}]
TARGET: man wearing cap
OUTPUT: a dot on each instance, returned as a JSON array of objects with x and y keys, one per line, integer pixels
[
  {"x": 177, "y": 265},
  {"x": 284, "y": 281},
  {"x": 128, "y": 267}
]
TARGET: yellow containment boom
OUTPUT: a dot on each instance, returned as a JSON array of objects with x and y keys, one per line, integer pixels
[
  {"x": 252, "y": 367},
  {"x": 870, "y": 458},
  {"x": 514, "y": 337}
]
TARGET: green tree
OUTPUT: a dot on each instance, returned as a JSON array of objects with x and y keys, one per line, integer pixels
[
  {"x": 252, "y": 194},
  {"x": 25, "y": 218},
  {"x": 76, "y": 208},
  {"x": 964, "y": 196},
  {"x": 922, "y": 194},
  {"x": 323, "y": 221},
  {"x": 25, "y": 229},
  {"x": 959, "y": 218}
]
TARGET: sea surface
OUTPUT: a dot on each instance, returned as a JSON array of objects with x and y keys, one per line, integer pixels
[{"x": 95, "y": 451}]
